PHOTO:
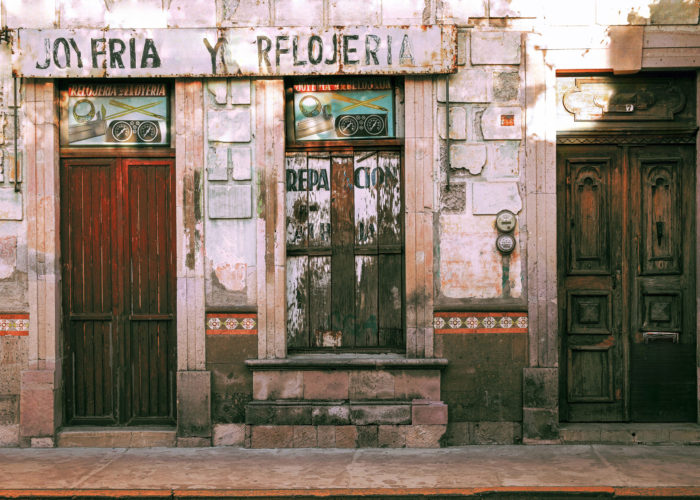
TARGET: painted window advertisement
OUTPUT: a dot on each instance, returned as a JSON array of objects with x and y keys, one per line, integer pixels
[
  {"x": 356, "y": 109},
  {"x": 132, "y": 114}
]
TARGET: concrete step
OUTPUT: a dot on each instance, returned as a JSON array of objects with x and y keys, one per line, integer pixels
[
  {"x": 116, "y": 437},
  {"x": 630, "y": 433}
]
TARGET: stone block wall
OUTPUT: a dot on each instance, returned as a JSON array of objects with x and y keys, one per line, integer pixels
[
  {"x": 229, "y": 195},
  {"x": 483, "y": 176}
]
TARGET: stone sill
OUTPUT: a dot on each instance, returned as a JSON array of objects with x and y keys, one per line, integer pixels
[{"x": 346, "y": 361}]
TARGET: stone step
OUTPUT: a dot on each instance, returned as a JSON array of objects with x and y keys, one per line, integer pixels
[
  {"x": 116, "y": 437},
  {"x": 630, "y": 433}
]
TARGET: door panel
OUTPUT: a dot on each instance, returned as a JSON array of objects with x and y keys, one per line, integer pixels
[
  {"x": 663, "y": 371},
  {"x": 627, "y": 282},
  {"x": 151, "y": 291},
  {"x": 89, "y": 212},
  {"x": 117, "y": 247},
  {"x": 590, "y": 273}
]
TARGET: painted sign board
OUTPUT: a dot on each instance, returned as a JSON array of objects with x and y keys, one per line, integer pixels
[
  {"x": 353, "y": 50},
  {"x": 362, "y": 109},
  {"x": 104, "y": 114}
]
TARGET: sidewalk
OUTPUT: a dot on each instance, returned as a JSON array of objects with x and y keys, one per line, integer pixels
[{"x": 581, "y": 471}]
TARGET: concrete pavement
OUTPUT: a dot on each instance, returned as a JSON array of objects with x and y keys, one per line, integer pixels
[{"x": 582, "y": 471}]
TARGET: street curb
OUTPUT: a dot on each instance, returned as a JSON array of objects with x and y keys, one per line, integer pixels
[{"x": 493, "y": 493}]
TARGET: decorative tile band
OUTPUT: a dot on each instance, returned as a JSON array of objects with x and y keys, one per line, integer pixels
[
  {"x": 14, "y": 324},
  {"x": 232, "y": 324},
  {"x": 471, "y": 322}
]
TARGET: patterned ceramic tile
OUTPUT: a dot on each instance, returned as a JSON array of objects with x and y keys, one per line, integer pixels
[
  {"x": 232, "y": 324},
  {"x": 14, "y": 324},
  {"x": 471, "y": 322}
]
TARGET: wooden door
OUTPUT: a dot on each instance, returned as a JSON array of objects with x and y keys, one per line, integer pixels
[
  {"x": 626, "y": 282},
  {"x": 117, "y": 223},
  {"x": 591, "y": 301},
  {"x": 662, "y": 291},
  {"x": 344, "y": 250}
]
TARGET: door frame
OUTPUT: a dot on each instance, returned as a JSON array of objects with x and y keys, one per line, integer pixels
[
  {"x": 41, "y": 203},
  {"x": 544, "y": 62}
]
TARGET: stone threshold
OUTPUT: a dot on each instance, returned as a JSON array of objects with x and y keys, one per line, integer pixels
[
  {"x": 630, "y": 433},
  {"x": 346, "y": 361},
  {"x": 117, "y": 437}
]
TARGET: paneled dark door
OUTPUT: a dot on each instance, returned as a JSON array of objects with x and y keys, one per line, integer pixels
[
  {"x": 117, "y": 235},
  {"x": 627, "y": 283}
]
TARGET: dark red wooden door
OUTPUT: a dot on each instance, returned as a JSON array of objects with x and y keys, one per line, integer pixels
[
  {"x": 627, "y": 282},
  {"x": 117, "y": 225}
]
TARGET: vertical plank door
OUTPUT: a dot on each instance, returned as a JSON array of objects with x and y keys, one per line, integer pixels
[{"x": 117, "y": 237}]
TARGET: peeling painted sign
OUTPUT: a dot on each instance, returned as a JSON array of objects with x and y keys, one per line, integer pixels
[
  {"x": 131, "y": 114},
  {"x": 61, "y": 53},
  {"x": 350, "y": 110}
]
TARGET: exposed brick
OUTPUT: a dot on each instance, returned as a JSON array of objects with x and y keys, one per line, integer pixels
[
  {"x": 277, "y": 385},
  {"x": 424, "y": 436},
  {"x": 330, "y": 415},
  {"x": 367, "y": 436},
  {"x": 371, "y": 385},
  {"x": 326, "y": 384},
  {"x": 417, "y": 384},
  {"x": 272, "y": 436},
  {"x": 193, "y": 442},
  {"x": 505, "y": 86},
  {"x": 346, "y": 436},
  {"x": 9, "y": 409},
  {"x": 380, "y": 414},
  {"x": 42, "y": 442},
  {"x": 305, "y": 436},
  {"x": 540, "y": 388},
  {"x": 229, "y": 435},
  {"x": 495, "y": 433},
  {"x": 431, "y": 413},
  {"x": 37, "y": 406},
  {"x": 9, "y": 435},
  {"x": 391, "y": 436},
  {"x": 540, "y": 424},
  {"x": 454, "y": 199},
  {"x": 326, "y": 436},
  {"x": 283, "y": 414},
  {"x": 457, "y": 434}
]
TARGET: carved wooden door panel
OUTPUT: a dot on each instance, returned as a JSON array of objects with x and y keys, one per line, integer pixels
[
  {"x": 663, "y": 310},
  {"x": 344, "y": 250},
  {"x": 592, "y": 305},
  {"x": 627, "y": 283},
  {"x": 117, "y": 228}
]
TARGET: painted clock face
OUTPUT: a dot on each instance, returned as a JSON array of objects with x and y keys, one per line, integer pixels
[
  {"x": 505, "y": 243},
  {"x": 505, "y": 221}
]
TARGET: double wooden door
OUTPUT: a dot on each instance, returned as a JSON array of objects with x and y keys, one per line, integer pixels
[
  {"x": 344, "y": 250},
  {"x": 626, "y": 250},
  {"x": 117, "y": 236}
]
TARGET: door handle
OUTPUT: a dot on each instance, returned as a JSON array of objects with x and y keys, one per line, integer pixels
[
  {"x": 616, "y": 278},
  {"x": 659, "y": 232}
]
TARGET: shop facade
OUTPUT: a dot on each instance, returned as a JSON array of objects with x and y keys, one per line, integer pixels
[{"x": 407, "y": 224}]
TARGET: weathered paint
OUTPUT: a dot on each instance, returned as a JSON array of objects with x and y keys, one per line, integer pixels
[
  {"x": 61, "y": 53},
  {"x": 475, "y": 270}
]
